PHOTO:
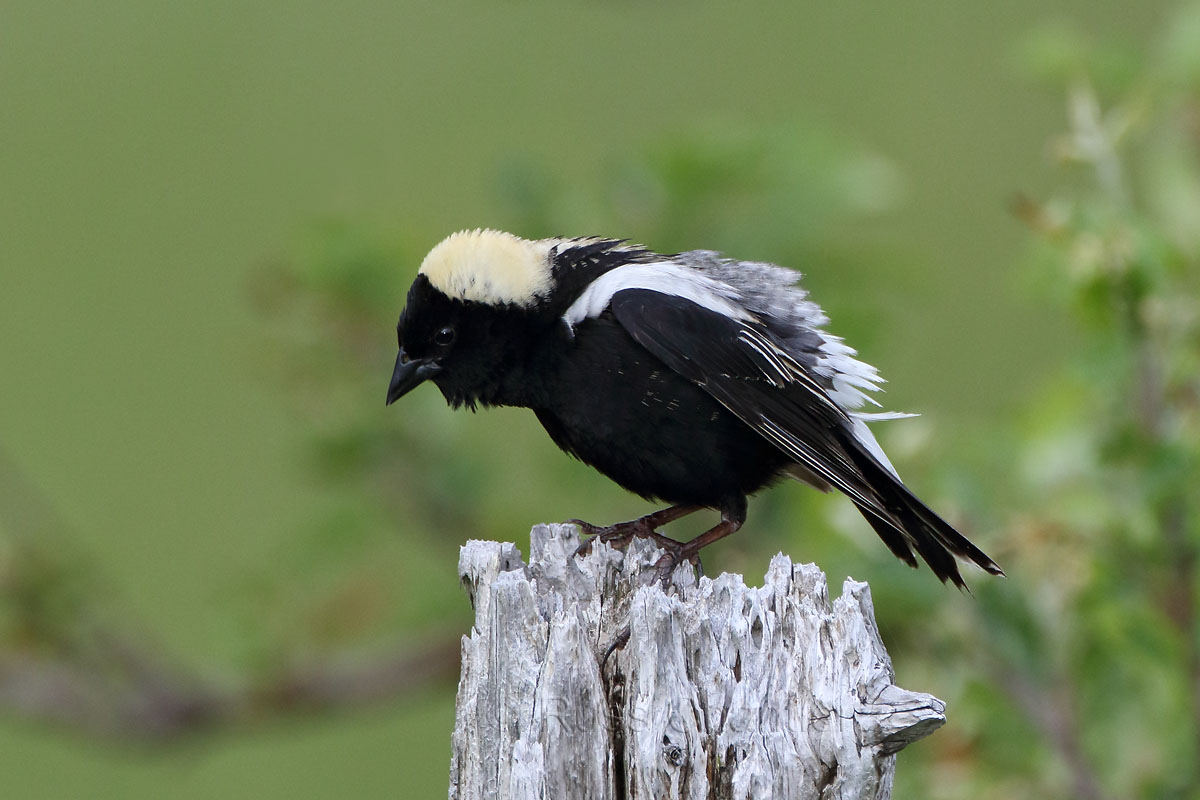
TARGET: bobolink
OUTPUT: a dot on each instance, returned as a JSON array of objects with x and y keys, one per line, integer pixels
[{"x": 688, "y": 378}]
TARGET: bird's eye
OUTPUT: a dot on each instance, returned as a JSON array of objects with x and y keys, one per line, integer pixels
[{"x": 444, "y": 337}]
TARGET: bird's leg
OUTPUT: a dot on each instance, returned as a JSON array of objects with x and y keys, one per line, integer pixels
[
  {"x": 618, "y": 643},
  {"x": 620, "y": 534},
  {"x": 732, "y": 517}
]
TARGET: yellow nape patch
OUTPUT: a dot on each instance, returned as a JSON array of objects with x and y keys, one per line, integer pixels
[{"x": 489, "y": 267}]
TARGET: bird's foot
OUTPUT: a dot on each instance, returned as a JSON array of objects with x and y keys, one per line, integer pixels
[
  {"x": 621, "y": 534},
  {"x": 675, "y": 555},
  {"x": 676, "y": 552}
]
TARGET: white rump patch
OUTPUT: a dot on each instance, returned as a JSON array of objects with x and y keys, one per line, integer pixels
[
  {"x": 489, "y": 266},
  {"x": 851, "y": 378},
  {"x": 665, "y": 277}
]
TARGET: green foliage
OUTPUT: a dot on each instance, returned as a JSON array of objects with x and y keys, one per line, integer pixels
[
  {"x": 1094, "y": 639},
  {"x": 1079, "y": 674}
]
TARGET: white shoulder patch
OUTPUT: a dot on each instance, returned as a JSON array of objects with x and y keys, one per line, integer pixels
[
  {"x": 489, "y": 266},
  {"x": 667, "y": 277}
]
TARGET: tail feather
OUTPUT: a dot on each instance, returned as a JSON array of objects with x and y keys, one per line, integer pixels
[
  {"x": 909, "y": 524},
  {"x": 891, "y": 535}
]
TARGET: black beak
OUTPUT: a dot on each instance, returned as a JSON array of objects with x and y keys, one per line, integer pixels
[{"x": 408, "y": 374}]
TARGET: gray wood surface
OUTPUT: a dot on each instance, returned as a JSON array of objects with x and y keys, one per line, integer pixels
[{"x": 722, "y": 690}]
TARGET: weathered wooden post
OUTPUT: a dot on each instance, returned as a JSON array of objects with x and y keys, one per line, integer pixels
[{"x": 722, "y": 690}]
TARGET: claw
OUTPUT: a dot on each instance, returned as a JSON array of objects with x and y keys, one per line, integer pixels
[
  {"x": 664, "y": 568},
  {"x": 588, "y": 530},
  {"x": 618, "y": 643},
  {"x": 620, "y": 535},
  {"x": 676, "y": 552}
]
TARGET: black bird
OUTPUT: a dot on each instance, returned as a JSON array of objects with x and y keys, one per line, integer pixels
[{"x": 689, "y": 378}]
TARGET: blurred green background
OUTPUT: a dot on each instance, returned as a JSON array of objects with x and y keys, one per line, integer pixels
[{"x": 209, "y": 214}]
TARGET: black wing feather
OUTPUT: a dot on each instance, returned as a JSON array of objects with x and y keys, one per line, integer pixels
[
  {"x": 710, "y": 349},
  {"x": 749, "y": 371}
]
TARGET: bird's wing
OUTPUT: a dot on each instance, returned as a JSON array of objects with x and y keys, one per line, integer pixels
[{"x": 745, "y": 368}]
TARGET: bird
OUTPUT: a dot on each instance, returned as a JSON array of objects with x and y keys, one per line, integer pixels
[{"x": 687, "y": 378}]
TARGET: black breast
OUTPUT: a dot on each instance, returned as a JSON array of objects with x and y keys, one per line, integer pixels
[{"x": 609, "y": 402}]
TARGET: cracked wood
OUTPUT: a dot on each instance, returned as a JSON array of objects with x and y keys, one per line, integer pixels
[{"x": 722, "y": 690}]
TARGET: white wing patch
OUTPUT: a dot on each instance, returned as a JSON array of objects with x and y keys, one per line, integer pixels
[
  {"x": 666, "y": 277},
  {"x": 771, "y": 290},
  {"x": 743, "y": 290}
]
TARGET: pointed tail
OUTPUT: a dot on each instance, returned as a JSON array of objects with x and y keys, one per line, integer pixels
[{"x": 905, "y": 524}]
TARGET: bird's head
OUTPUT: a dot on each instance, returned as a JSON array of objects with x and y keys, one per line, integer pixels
[{"x": 478, "y": 306}]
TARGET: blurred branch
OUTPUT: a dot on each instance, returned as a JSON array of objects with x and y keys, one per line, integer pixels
[
  {"x": 1151, "y": 398},
  {"x": 1052, "y": 710},
  {"x": 1094, "y": 138},
  {"x": 129, "y": 695},
  {"x": 66, "y": 660},
  {"x": 1131, "y": 614}
]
